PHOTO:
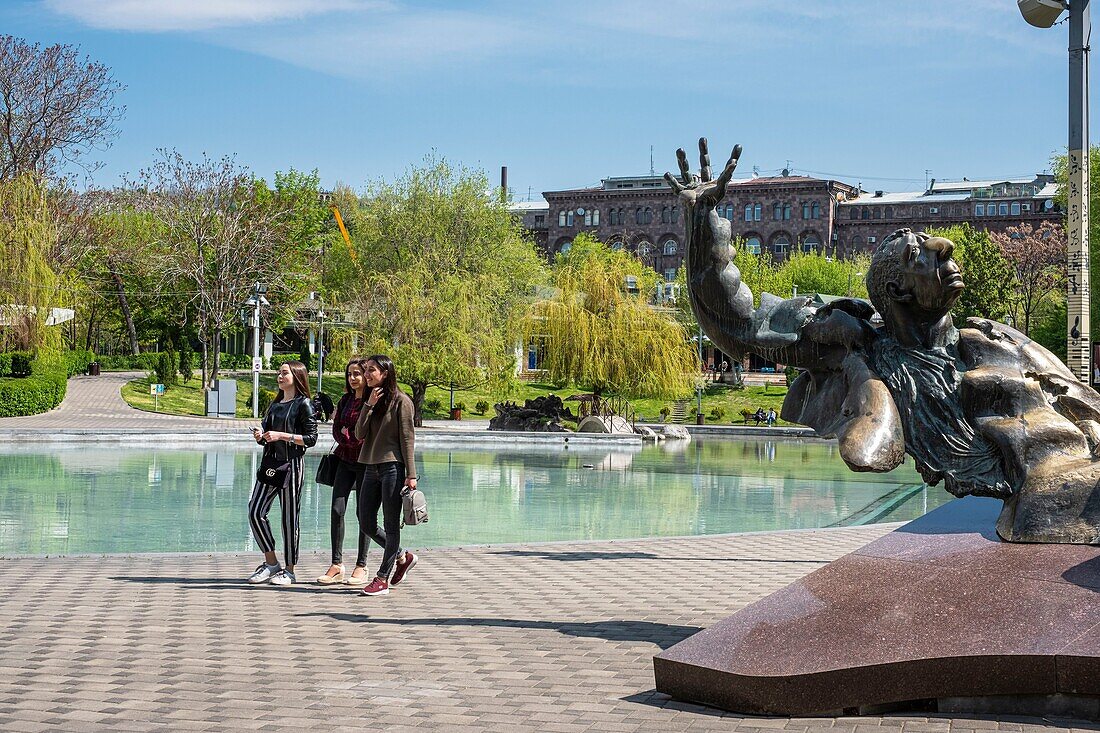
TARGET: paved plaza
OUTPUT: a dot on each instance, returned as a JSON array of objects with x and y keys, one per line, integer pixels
[{"x": 548, "y": 637}]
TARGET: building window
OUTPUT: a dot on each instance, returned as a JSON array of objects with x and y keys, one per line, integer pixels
[
  {"x": 752, "y": 245},
  {"x": 853, "y": 214},
  {"x": 1002, "y": 209},
  {"x": 1015, "y": 208},
  {"x": 777, "y": 212},
  {"x": 617, "y": 244},
  {"x": 665, "y": 216},
  {"x": 569, "y": 218},
  {"x": 648, "y": 215},
  {"x": 918, "y": 212},
  {"x": 729, "y": 212},
  {"x": 815, "y": 211},
  {"x": 757, "y": 212},
  {"x": 811, "y": 243},
  {"x": 561, "y": 218},
  {"x": 805, "y": 209},
  {"x": 540, "y": 219},
  {"x": 588, "y": 217},
  {"x": 865, "y": 213},
  {"x": 786, "y": 211},
  {"x": 565, "y": 247},
  {"x": 857, "y": 242},
  {"x": 676, "y": 214},
  {"x": 670, "y": 247},
  {"x": 979, "y": 209},
  {"x": 595, "y": 217},
  {"x": 639, "y": 216},
  {"x": 878, "y": 213},
  {"x": 748, "y": 212},
  {"x": 781, "y": 244},
  {"x": 889, "y": 212},
  {"x": 670, "y": 274}
]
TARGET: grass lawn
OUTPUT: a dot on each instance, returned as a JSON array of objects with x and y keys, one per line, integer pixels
[{"x": 188, "y": 399}]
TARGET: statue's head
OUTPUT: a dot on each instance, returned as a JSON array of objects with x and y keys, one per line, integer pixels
[{"x": 913, "y": 271}]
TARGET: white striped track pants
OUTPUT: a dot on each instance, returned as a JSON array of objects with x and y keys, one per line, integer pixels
[{"x": 290, "y": 501}]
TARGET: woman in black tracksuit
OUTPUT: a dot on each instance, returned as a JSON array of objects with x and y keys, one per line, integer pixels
[{"x": 288, "y": 428}]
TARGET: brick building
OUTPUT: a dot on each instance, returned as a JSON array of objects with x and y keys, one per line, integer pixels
[{"x": 780, "y": 213}]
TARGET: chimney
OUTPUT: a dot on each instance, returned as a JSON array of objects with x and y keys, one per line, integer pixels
[
  {"x": 504, "y": 184},
  {"x": 878, "y": 194}
]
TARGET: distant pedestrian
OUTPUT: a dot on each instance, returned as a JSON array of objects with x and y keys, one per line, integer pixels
[
  {"x": 385, "y": 426},
  {"x": 287, "y": 430},
  {"x": 760, "y": 416},
  {"x": 725, "y": 366},
  {"x": 772, "y": 416}
]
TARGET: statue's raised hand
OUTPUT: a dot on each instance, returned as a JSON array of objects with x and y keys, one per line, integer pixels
[{"x": 694, "y": 189}]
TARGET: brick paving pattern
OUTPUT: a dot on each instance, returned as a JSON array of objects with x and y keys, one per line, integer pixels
[{"x": 556, "y": 637}]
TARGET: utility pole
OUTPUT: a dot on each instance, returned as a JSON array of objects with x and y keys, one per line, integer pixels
[{"x": 1078, "y": 352}]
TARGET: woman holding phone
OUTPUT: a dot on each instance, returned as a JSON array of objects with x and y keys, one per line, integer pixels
[
  {"x": 288, "y": 428},
  {"x": 385, "y": 426}
]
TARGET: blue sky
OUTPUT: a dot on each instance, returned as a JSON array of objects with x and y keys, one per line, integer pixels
[{"x": 568, "y": 92}]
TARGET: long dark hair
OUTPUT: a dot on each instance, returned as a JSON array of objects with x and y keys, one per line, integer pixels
[
  {"x": 301, "y": 380},
  {"x": 354, "y": 361},
  {"x": 389, "y": 384}
]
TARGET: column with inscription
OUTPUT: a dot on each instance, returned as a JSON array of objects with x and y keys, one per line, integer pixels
[{"x": 1077, "y": 216}]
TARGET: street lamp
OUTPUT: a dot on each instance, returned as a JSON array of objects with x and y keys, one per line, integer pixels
[
  {"x": 320, "y": 338},
  {"x": 1043, "y": 14},
  {"x": 858, "y": 274},
  {"x": 256, "y": 301}
]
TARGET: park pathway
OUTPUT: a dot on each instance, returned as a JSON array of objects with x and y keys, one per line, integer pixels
[{"x": 541, "y": 638}]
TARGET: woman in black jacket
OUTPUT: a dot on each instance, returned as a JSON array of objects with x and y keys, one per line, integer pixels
[{"x": 288, "y": 428}]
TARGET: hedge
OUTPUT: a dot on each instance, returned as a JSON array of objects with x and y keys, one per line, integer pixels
[
  {"x": 42, "y": 391},
  {"x": 146, "y": 362},
  {"x": 77, "y": 361}
]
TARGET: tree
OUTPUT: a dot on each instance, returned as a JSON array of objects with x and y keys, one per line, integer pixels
[
  {"x": 446, "y": 273},
  {"x": 219, "y": 231},
  {"x": 29, "y": 286},
  {"x": 812, "y": 272},
  {"x": 598, "y": 329},
  {"x": 54, "y": 107},
  {"x": 1038, "y": 261},
  {"x": 990, "y": 281}
]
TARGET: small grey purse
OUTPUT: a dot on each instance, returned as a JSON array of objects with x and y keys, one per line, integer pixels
[{"x": 414, "y": 507}]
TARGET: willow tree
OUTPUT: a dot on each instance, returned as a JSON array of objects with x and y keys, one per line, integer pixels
[
  {"x": 29, "y": 286},
  {"x": 446, "y": 274},
  {"x": 599, "y": 330}
]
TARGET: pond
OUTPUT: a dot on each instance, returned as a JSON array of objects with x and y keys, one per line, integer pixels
[{"x": 109, "y": 498}]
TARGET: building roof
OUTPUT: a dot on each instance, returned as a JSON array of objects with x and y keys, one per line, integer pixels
[
  {"x": 965, "y": 185},
  {"x": 520, "y": 206},
  {"x": 907, "y": 197}
]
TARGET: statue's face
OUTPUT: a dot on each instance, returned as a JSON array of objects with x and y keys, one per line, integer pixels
[{"x": 930, "y": 276}]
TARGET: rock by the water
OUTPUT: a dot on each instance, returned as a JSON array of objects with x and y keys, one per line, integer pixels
[
  {"x": 540, "y": 415},
  {"x": 675, "y": 432}
]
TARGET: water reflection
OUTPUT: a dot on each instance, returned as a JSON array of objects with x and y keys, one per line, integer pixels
[{"x": 88, "y": 498}]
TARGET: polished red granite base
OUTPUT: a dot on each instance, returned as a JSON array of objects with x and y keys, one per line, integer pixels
[{"x": 937, "y": 609}]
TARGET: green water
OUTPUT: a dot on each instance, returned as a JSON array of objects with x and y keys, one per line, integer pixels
[{"x": 87, "y": 498}]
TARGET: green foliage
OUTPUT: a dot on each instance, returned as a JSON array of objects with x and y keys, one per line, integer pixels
[
  {"x": 812, "y": 272},
  {"x": 596, "y": 334},
  {"x": 29, "y": 286},
  {"x": 1048, "y": 326},
  {"x": 277, "y": 360},
  {"x": 481, "y": 407},
  {"x": 127, "y": 363},
  {"x": 306, "y": 358},
  {"x": 5, "y": 364},
  {"x": 187, "y": 362},
  {"x": 990, "y": 290},
  {"x": 460, "y": 406},
  {"x": 166, "y": 369},
  {"x": 21, "y": 363},
  {"x": 447, "y": 278},
  {"x": 77, "y": 361},
  {"x": 433, "y": 405},
  {"x": 790, "y": 374},
  {"x": 665, "y": 412},
  {"x": 267, "y": 396},
  {"x": 40, "y": 392},
  {"x": 746, "y": 414},
  {"x": 717, "y": 413}
]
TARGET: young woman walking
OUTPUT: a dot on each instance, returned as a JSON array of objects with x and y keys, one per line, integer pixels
[
  {"x": 386, "y": 428},
  {"x": 288, "y": 428},
  {"x": 349, "y": 473}
]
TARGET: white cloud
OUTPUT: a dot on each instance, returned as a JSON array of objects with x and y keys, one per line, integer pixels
[{"x": 194, "y": 15}]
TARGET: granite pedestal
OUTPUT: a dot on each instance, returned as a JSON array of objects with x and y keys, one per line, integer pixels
[{"x": 939, "y": 614}]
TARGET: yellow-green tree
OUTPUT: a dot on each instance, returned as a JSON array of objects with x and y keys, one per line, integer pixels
[
  {"x": 29, "y": 286},
  {"x": 599, "y": 330}
]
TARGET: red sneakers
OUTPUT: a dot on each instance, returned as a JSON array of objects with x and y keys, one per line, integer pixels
[
  {"x": 402, "y": 570},
  {"x": 377, "y": 587}
]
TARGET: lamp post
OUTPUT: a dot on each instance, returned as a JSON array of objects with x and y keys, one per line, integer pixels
[
  {"x": 698, "y": 385},
  {"x": 1043, "y": 14},
  {"x": 256, "y": 300},
  {"x": 320, "y": 337},
  {"x": 858, "y": 274}
]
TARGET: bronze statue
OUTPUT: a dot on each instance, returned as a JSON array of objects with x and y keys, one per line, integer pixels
[{"x": 983, "y": 408}]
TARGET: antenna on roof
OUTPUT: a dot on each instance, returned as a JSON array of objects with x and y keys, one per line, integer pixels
[
  {"x": 651, "y": 171},
  {"x": 927, "y": 172},
  {"x": 787, "y": 170},
  {"x": 756, "y": 171}
]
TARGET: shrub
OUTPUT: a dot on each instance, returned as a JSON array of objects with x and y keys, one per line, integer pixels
[
  {"x": 165, "y": 369},
  {"x": 460, "y": 406},
  {"x": 481, "y": 407},
  {"x": 267, "y": 396},
  {"x": 791, "y": 374},
  {"x": 146, "y": 362},
  {"x": 665, "y": 412},
  {"x": 39, "y": 392},
  {"x": 717, "y": 413},
  {"x": 21, "y": 363},
  {"x": 187, "y": 363},
  {"x": 277, "y": 359},
  {"x": 432, "y": 405},
  {"x": 5, "y": 364},
  {"x": 306, "y": 358},
  {"x": 78, "y": 360}
]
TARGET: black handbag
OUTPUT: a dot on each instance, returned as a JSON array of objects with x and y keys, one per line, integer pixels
[
  {"x": 326, "y": 469},
  {"x": 274, "y": 469}
]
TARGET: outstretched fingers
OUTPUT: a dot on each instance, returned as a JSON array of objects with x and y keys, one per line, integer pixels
[
  {"x": 673, "y": 183},
  {"x": 727, "y": 172},
  {"x": 685, "y": 169},
  {"x": 704, "y": 160}
]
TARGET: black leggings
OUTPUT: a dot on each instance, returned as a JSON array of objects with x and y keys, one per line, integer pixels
[
  {"x": 346, "y": 483},
  {"x": 381, "y": 487}
]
